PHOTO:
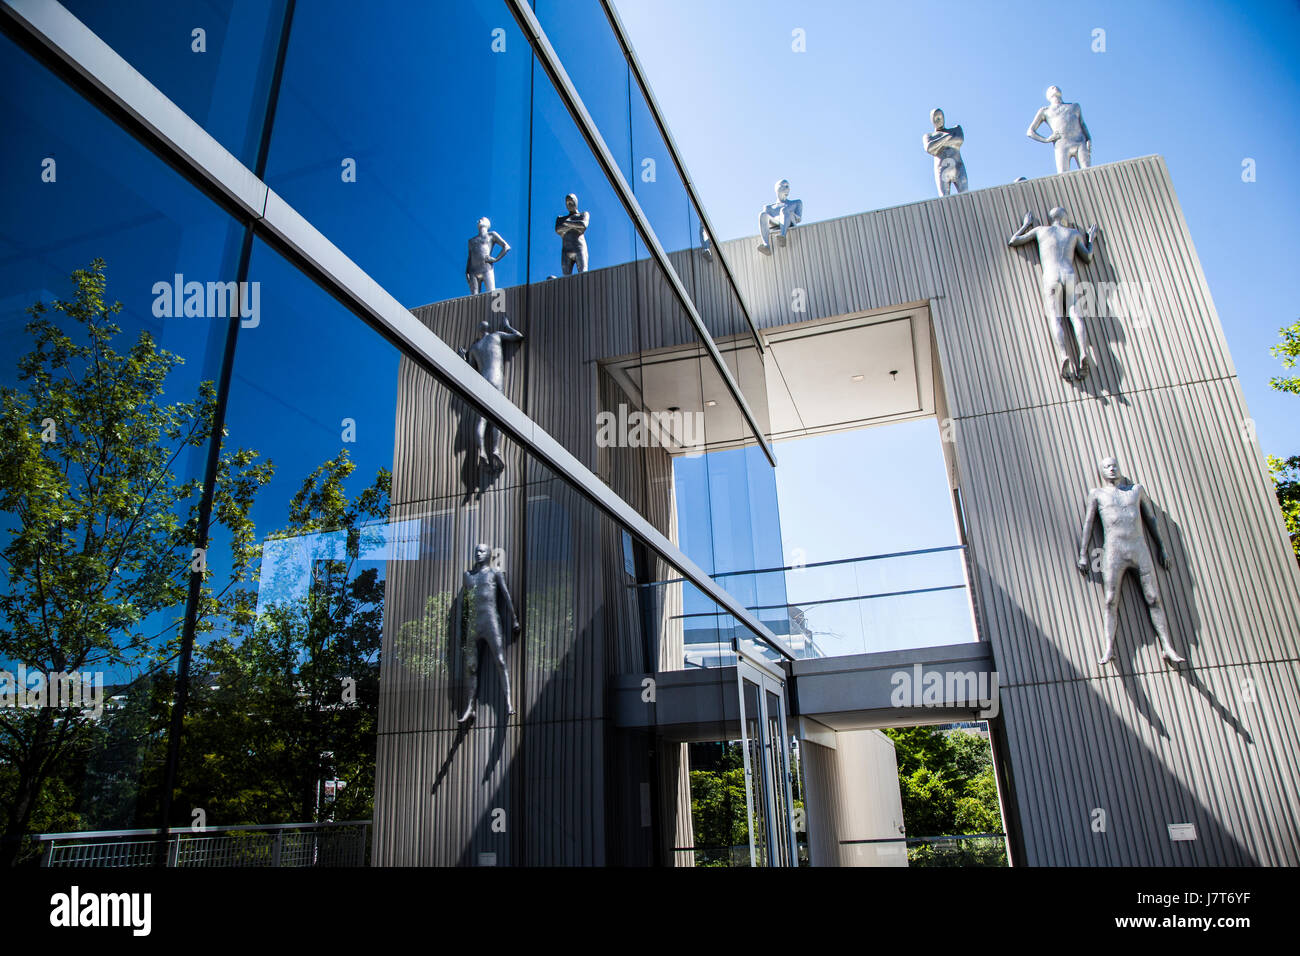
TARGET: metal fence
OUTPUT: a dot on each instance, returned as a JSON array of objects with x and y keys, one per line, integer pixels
[
  {"x": 956, "y": 850},
  {"x": 345, "y": 843}
]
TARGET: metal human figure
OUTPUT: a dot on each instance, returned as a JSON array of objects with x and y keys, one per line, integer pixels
[
  {"x": 1070, "y": 134},
  {"x": 778, "y": 217},
  {"x": 1123, "y": 509},
  {"x": 478, "y": 266},
  {"x": 572, "y": 232},
  {"x": 487, "y": 356},
  {"x": 483, "y": 595},
  {"x": 944, "y": 144},
  {"x": 1058, "y": 244}
]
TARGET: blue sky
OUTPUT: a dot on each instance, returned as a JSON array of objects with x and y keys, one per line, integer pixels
[{"x": 1205, "y": 85}]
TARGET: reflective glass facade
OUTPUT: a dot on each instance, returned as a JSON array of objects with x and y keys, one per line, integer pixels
[{"x": 254, "y": 511}]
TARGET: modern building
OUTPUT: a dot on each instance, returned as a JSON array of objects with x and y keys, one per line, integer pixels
[{"x": 283, "y": 194}]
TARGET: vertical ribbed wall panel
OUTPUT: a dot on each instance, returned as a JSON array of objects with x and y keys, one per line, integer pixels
[
  {"x": 824, "y": 802},
  {"x": 1130, "y": 754},
  {"x": 1149, "y": 744},
  {"x": 1026, "y": 476},
  {"x": 544, "y": 768}
]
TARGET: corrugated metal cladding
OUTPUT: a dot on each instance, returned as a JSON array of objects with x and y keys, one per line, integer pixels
[
  {"x": 556, "y": 783},
  {"x": 1101, "y": 759}
]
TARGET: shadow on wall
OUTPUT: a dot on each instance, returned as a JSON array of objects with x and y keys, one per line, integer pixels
[
  {"x": 1105, "y": 331},
  {"x": 1078, "y": 761}
]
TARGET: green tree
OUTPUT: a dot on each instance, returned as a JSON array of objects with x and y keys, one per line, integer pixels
[
  {"x": 916, "y": 747},
  {"x": 718, "y": 807},
  {"x": 100, "y": 525},
  {"x": 1288, "y": 350},
  {"x": 946, "y": 782},
  {"x": 929, "y": 802},
  {"x": 1286, "y": 471},
  {"x": 971, "y": 755},
  {"x": 290, "y": 698}
]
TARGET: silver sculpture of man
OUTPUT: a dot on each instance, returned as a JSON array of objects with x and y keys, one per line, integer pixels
[
  {"x": 1123, "y": 509},
  {"x": 778, "y": 217},
  {"x": 483, "y": 598},
  {"x": 478, "y": 267},
  {"x": 487, "y": 356},
  {"x": 572, "y": 230},
  {"x": 944, "y": 144},
  {"x": 1070, "y": 133},
  {"x": 1058, "y": 244}
]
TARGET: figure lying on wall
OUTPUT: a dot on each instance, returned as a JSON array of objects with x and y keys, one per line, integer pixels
[
  {"x": 483, "y": 596},
  {"x": 572, "y": 229},
  {"x": 1123, "y": 509},
  {"x": 779, "y": 217},
  {"x": 944, "y": 145},
  {"x": 487, "y": 356},
  {"x": 1070, "y": 134},
  {"x": 478, "y": 267},
  {"x": 1058, "y": 244}
]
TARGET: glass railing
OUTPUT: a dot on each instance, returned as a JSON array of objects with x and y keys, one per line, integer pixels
[{"x": 877, "y": 602}]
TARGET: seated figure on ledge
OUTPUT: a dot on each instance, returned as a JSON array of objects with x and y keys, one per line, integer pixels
[{"x": 778, "y": 217}]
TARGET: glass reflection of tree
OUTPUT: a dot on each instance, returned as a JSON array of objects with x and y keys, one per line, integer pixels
[
  {"x": 101, "y": 535},
  {"x": 99, "y": 546}
]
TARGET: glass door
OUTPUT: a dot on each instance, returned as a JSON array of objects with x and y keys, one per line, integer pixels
[{"x": 765, "y": 746}]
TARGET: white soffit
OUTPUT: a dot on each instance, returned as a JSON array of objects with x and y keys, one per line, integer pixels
[{"x": 813, "y": 376}]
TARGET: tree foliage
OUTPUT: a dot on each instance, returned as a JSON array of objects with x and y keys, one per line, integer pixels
[
  {"x": 101, "y": 523},
  {"x": 946, "y": 782},
  {"x": 1286, "y": 471},
  {"x": 290, "y": 697},
  {"x": 1288, "y": 350}
]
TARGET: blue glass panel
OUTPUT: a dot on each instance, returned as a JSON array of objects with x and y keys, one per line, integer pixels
[
  {"x": 106, "y": 415},
  {"x": 401, "y": 125},
  {"x": 212, "y": 58}
]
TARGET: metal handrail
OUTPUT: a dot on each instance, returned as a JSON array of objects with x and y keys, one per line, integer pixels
[
  {"x": 929, "y": 839},
  {"x": 823, "y": 564},
  {"x": 814, "y": 564},
  {"x": 154, "y": 831},
  {"x": 838, "y": 600},
  {"x": 324, "y": 844}
]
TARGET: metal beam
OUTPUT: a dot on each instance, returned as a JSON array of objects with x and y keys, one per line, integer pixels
[
  {"x": 550, "y": 62},
  {"x": 164, "y": 128},
  {"x": 616, "y": 23}
]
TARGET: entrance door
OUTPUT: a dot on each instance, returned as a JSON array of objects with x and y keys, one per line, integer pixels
[{"x": 765, "y": 745}]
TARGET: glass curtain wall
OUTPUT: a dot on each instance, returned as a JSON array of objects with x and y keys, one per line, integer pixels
[
  {"x": 346, "y": 661},
  {"x": 116, "y": 279}
]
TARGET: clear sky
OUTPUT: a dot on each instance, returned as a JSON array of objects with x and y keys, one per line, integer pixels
[{"x": 1203, "y": 84}]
